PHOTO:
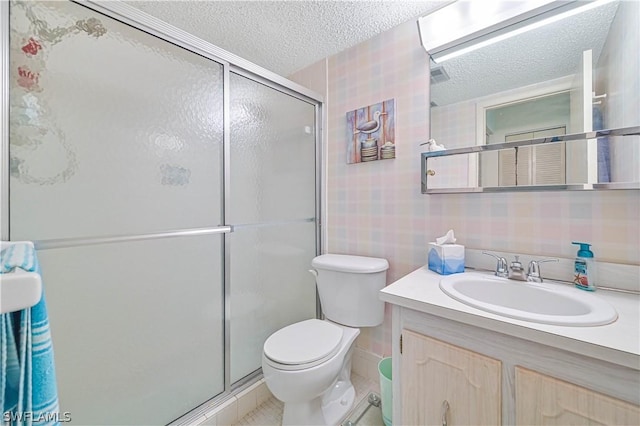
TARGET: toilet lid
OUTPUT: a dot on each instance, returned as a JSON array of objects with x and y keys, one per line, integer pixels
[{"x": 303, "y": 342}]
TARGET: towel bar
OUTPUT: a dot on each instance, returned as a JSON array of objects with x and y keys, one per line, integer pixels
[{"x": 19, "y": 289}]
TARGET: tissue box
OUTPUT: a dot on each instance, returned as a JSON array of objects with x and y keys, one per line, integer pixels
[{"x": 446, "y": 259}]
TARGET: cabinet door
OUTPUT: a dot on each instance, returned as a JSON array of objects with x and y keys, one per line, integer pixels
[
  {"x": 544, "y": 400},
  {"x": 436, "y": 374}
]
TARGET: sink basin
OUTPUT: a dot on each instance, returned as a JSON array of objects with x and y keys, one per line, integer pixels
[{"x": 545, "y": 303}]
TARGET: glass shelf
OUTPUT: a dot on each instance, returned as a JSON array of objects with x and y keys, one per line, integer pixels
[
  {"x": 596, "y": 134},
  {"x": 427, "y": 172}
]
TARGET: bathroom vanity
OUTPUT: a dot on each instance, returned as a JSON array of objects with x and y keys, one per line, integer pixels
[{"x": 455, "y": 364}]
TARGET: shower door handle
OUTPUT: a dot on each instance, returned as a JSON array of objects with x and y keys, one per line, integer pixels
[{"x": 223, "y": 229}]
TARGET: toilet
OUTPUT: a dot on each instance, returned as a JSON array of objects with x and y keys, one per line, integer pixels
[{"x": 307, "y": 365}]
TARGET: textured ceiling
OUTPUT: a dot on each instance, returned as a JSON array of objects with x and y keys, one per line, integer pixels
[
  {"x": 285, "y": 36},
  {"x": 546, "y": 53}
]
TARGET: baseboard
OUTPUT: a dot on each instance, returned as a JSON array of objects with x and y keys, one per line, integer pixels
[{"x": 365, "y": 364}]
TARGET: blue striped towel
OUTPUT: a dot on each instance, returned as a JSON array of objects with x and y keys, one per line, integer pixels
[
  {"x": 19, "y": 255},
  {"x": 28, "y": 393}
]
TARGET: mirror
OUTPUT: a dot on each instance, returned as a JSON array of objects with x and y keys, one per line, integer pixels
[{"x": 562, "y": 75}]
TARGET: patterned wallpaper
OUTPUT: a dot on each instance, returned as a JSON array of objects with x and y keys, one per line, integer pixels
[{"x": 376, "y": 209}]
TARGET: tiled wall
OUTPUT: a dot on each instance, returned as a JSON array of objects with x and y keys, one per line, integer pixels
[{"x": 376, "y": 208}]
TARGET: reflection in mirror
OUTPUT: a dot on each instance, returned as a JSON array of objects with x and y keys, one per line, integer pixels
[
  {"x": 573, "y": 75},
  {"x": 451, "y": 173},
  {"x": 530, "y": 165}
]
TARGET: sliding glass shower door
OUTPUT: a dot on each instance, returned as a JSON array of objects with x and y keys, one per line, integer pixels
[
  {"x": 172, "y": 198},
  {"x": 272, "y": 206},
  {"x": 116, "y": 150}
]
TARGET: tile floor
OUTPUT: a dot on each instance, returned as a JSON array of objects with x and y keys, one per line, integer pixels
[{"x": 270, "y": 411}]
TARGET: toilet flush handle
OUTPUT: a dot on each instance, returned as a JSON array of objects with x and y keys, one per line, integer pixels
[{"x": 314, "y": 273}]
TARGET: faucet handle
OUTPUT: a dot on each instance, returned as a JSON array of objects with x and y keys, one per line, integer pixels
[
  {"x": 533, "y": 272},
  {"x": 501, "y": 266}
]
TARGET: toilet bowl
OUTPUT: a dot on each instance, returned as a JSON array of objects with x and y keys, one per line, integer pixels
[{"x": 307, "y": 365}]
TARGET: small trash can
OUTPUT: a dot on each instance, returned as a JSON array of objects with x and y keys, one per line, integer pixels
[{"x": 384, "y": 367}]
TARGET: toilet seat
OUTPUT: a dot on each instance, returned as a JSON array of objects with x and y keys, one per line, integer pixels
[{"x": 303, "y": 345}]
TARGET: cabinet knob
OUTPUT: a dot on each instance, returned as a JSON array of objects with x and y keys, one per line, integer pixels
[{"x": 444, "y": 411}]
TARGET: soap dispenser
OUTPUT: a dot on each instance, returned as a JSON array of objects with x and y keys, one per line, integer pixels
[{"x": 584, "y": 268}]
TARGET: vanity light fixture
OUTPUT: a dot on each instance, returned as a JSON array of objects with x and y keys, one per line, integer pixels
[{"x": 488, "y": 36}]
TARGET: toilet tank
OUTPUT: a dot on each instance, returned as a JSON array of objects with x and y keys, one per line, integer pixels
[{"x": 348, "y": 287}]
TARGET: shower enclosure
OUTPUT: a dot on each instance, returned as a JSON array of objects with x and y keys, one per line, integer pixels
[{"x": 171, "y": 190}]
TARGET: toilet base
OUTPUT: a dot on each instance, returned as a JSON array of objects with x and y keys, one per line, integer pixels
[
  {"x": 328, "y": 409},
  {"x": 338, "y": 402}
]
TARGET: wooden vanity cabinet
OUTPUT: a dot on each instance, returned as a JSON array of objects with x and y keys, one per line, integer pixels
[
  {"x": 545, "y": 400},
  {"x": 452, "y": 374},
  {"x": 448, "y": 384}
]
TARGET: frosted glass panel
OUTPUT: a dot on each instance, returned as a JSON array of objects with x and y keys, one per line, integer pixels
[
  {"x": 272, "y": 154},
  {"x": 110, "y": 126},
  {"x": 271, "y": 287},
  {"x": 137, "y": 328}
]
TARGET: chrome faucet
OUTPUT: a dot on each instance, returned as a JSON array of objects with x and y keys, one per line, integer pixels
[
  {"x": 533, "y": 272},
  {"x": 501, "y": 266},
  {"x": 516, "y": 271}
]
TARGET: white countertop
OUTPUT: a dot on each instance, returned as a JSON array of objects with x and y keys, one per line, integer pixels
[{"x": 618, "y": 342}]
